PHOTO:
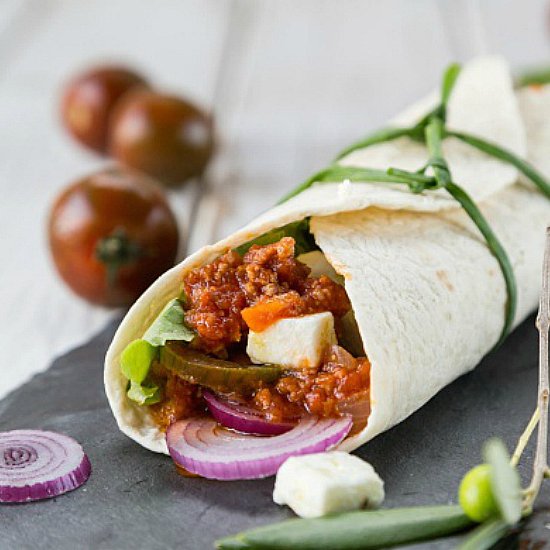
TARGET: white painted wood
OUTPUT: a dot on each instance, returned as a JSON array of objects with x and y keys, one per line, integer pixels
[
  {"x": 176, "y": 42},
  {"x": 290, "y": 82}
]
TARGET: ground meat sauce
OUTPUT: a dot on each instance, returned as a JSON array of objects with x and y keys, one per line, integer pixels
[
  {"x": 180, "y": 399},
  {"x": 269, "y": 280},
  {"x": 218, "y": 292},
  {"x": 321, "y": 391}
]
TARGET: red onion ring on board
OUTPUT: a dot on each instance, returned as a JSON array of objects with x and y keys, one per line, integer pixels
[{"x": 36, "y": 464}]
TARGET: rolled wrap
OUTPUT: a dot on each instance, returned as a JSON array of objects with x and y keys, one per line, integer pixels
[{"x": 428, "y": 296}]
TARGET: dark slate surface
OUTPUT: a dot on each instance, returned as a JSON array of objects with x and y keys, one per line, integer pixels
[{"x": 135, "y": 499}]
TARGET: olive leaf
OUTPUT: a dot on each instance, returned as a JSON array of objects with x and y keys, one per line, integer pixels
[
  {"x": 505, "y": 481},
  {"x": 354, "y": 530},
  {"x": 486, "y": 535}
]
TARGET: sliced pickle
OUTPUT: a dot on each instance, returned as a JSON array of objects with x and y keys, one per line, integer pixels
[{"x": 216, "y": 374}]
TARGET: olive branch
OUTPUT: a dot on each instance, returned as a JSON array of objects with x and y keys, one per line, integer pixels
[{"x": 540, "y": 416}]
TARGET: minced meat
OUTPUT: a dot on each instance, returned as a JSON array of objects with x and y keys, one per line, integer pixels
[{"x": 218, "y": 292}]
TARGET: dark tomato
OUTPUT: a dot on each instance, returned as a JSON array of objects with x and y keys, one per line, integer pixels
[
  {"x": 89, "y": 100},
  {"x": 111, "y": 235},
  {"x": 164, "y": 136}
]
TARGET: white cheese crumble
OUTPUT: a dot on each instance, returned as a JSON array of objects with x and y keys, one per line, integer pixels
[
  {"x": 326, "y": 483},
  {"x": 297, "y": 342}
]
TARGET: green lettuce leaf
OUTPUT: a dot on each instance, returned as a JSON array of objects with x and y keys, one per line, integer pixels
[
  {"x": 137, "y": 357},
  {"x": 144, "y": 394},
  {"x": 299, "y": 231},
  {"x": 169, "y": 325}
]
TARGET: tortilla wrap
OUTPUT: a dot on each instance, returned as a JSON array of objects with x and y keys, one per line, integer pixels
[{"x": 428, "y": 296}]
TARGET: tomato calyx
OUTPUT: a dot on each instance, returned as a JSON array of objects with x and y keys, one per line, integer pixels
[{"x": 116, "y": 250}]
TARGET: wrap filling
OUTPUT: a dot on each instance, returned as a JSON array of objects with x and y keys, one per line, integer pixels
[{"x": 260, "y": 329}]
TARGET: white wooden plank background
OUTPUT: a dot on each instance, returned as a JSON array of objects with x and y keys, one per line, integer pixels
[{"x": 289, "y": 81}]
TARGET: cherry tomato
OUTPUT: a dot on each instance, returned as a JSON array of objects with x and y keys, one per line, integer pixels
[
  {"x": 111, "y": 235},
  {"x": 89, "y": 100},
  {"x": 161, "y": 135},
  {"x": 475, "y": 494}
]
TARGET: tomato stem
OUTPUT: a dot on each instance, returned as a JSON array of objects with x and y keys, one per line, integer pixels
[{"x": 116, "y": 250}]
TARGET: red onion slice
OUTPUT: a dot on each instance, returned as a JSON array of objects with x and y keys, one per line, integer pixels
[
  {"x": 36, "y": 464},
  {"x": 203, "y": 447},
  {"x": 242, "y": 418}
]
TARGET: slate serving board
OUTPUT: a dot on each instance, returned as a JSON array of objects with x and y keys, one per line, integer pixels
[{"x": 135, "y": 499}]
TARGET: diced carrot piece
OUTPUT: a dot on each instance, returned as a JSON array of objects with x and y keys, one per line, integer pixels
[{"x": 262, "y": 315}]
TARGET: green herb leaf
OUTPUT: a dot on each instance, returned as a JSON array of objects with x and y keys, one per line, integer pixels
[
  {"x": 354, "y": 530},
  {"x": 434, "y": 137},
  {"x": 299, "y": 231},
  {"x": 486, "y": 535},
  {"x": 136, "y": 359},
  {"x": 449, "y": 80},
  {"x": 337, "y": 173},
  {"x": 505, "y": 481},
  {"x": 539, "y": 76},
  {"x": 380, "y": 136},
  {"x": 496, "y": 249},
  {"x": 143, "y": 394},
  {"x": 169, "y": 325},
  {"x": 494, "y": 150}
]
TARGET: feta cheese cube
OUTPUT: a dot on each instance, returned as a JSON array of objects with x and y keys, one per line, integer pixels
[
  {"x": 325, "y": 483},
  {"x": 297, "y": 342}
]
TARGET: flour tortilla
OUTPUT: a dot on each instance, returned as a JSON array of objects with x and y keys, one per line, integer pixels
[{"x": 428, "y": 296}]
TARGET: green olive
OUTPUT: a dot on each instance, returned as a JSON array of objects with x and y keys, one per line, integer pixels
[{"x": 475, "y": 494}]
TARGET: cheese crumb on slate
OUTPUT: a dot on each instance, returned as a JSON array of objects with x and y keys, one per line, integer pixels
[{"x": 326, "y": 483}]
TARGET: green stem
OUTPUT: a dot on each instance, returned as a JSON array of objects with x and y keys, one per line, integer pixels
[
  {"x": 435, "y": 131},
  {"x": 381, "y": 136},
  {"x": 338, "y": 173},
  {"x": 434, "y": 138},
  {"x": 449, "y": 80},
  {"x": 525, "y": 437},
  {"x": 494, "y": 150},
  {"x": 496, "y": 249}
]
